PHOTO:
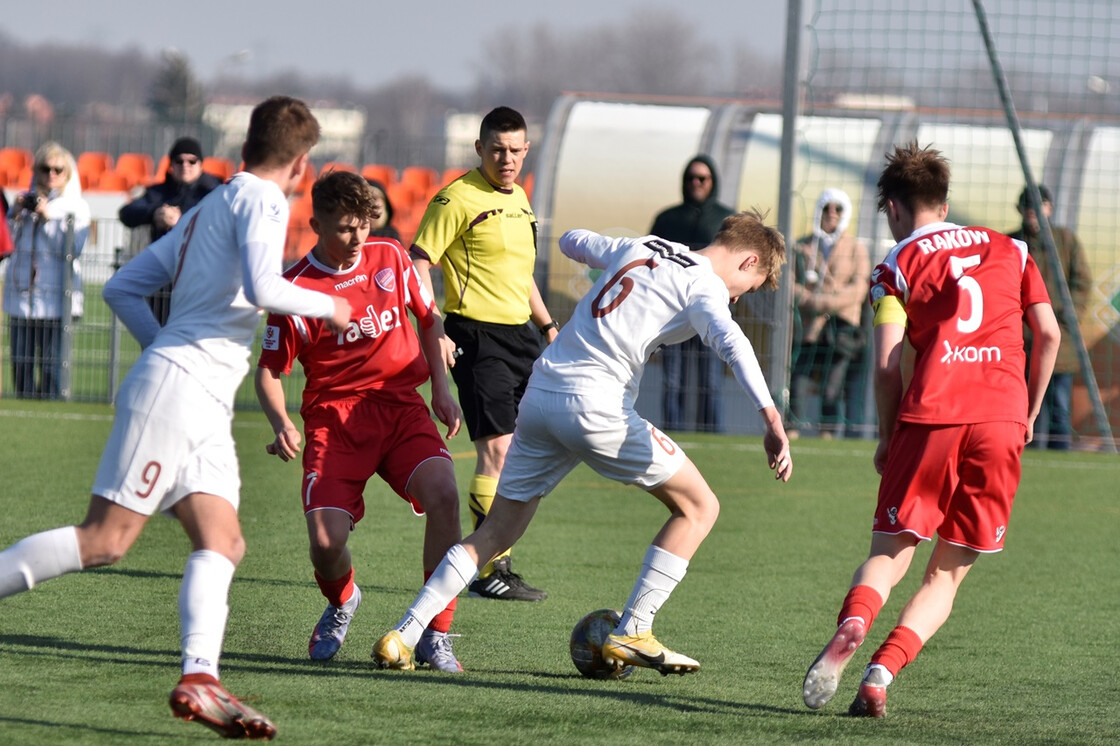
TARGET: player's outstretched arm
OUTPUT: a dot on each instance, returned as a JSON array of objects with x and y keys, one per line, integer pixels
[
  {"x": 423, "y": 269},
  {"x": 265, "y": 287},
  {"x": 887, "y": 372},
  {"x": 125, "y": 292},
  {"x": 444, "y": 406},
  {"x": 588, "y": 247},
  {"x": 539, "y": 314},
  {"x": 1044, "y": 351},
  {"x": 270, "y": 393},
  {"x": 776, "y": 443}
]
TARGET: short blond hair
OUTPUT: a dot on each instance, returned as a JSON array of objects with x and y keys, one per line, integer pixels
[{"x": 745, "y": 231}]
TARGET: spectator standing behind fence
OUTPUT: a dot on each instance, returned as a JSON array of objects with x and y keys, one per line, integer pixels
[
  {"x": 694, "y": 222},
  {"x": 161, "y": 205},
  {"x": 831, "y": 272},
  {"x": 5, "y": 251},
  {"x": 382, "y": 227},
  {"x": 36, "y": 280},
  {"x": 1055, "y": 419}
]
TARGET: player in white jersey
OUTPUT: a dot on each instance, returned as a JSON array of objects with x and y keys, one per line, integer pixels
[
  {"x": 171, "y": 448},
  {"x": 579, "y": 406}
]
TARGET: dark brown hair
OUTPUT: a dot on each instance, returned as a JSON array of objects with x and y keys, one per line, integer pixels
[
  {"x": 342, "y": 193},
  {"x": 281, "y": 129},
  {"x": 914, "y": 176}
]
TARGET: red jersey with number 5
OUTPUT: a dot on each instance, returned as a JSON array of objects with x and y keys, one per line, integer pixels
[
  {"x": 964, "y": 290},
  {"x": 379, "y": 350}
]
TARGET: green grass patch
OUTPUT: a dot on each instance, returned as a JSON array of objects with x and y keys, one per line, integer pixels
[{"x": 1029, "y": 656}]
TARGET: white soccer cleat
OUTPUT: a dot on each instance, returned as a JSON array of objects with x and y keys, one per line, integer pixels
[{"x": 823, "y": 677}]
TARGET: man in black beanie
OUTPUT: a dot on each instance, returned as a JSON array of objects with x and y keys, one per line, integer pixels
[{"x": 161, "y": 205}]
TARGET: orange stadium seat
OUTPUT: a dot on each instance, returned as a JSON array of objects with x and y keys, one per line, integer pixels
[
  {"x": 300, "y": 236},
  {"x": 420, "y": 177},
  {"x": 403, "y": 198},
  {"x": 22, "y": 179},
  {"x": 527, "y": 184},
  {"x": 136, "y": 166},
  {"x": 92, "y": 164},
  {"x": 161, "y": 169},
  {"x": 307, "y": 181},
  {"x": 380, "y": 172},
  {"x": 14, "y": 160},
  {"x": 113, "y": 181},
  {"x": 218, "y": 166}
]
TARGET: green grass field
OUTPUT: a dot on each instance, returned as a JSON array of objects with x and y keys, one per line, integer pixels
[{"x": 1030, "y": 655}]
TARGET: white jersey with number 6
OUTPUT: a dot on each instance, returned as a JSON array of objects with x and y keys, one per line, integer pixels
[{"x": 652, "y": 292}]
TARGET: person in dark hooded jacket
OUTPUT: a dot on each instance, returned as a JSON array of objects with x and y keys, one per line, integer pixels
[{"x": 694, "y": 223}]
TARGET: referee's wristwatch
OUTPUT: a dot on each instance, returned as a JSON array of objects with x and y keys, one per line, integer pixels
[{"x": 550, "y": 325}]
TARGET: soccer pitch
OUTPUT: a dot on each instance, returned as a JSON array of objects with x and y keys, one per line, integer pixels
[{"x": 1029, "y": 656}]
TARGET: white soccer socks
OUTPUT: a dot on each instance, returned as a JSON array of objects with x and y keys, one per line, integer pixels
[
  {"x": 204, "y": 609},
  {"x": 661, "y": 572},
  {"x": 450, "y": 577},
  {"x": 37, "y": 558}
]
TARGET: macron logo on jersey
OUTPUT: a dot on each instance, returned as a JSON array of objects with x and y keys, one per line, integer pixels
[{"x": 352, "y": 281}]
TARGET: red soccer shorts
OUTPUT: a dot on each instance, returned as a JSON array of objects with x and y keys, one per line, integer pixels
[
  {"x": 349, "y": 440},
  {"x": 957, "y": 481}
]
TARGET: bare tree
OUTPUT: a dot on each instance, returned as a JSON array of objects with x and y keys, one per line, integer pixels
[
  {"x": 73, "y": 76},
  {"x": 176, "y": 96}
]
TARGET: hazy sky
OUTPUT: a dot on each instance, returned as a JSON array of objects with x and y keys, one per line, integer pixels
[{"x": 370, "y": 40}]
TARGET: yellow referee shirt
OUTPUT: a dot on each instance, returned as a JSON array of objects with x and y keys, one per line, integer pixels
[{"x": 485, "y": 239}]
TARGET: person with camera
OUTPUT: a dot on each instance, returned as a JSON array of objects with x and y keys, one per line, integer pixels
[{"x": 36, "y": 279}]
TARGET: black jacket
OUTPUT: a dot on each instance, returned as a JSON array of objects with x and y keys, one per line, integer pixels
[
  {"x": 693, "y": 223},
  {"x": 168, "y": 192}
]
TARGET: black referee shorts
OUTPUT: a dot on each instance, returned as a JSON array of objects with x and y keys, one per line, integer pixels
[{"x": 492, "y": 371}]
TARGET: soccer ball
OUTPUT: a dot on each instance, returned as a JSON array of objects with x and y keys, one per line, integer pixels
[{"x": 587, "y": 645}]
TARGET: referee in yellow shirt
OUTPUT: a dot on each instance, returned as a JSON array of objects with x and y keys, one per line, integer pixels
[{"x": 482, "y": 232}]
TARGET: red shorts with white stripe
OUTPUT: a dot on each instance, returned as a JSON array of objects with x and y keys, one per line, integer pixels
[
  {"x": 957, "y": 481},
  {"x": 349, "y": 440}
]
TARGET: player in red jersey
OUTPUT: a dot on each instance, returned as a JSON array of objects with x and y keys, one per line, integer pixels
[
  {"x": 954, "y": 414},
  {"x": 361, "y": 410}
]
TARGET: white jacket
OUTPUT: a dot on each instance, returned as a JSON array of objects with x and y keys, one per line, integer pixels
[{"x": 34, "y": 281}]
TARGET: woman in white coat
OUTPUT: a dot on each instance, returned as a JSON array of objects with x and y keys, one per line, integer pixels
[{"x": 36, "y": 281}]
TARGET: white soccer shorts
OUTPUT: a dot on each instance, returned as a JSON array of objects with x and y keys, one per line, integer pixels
[
  {"x": 556, "y": 431},
  {"x": 170, "y": 438}
]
